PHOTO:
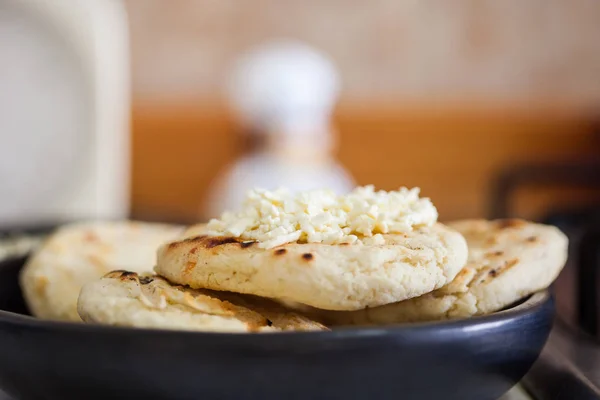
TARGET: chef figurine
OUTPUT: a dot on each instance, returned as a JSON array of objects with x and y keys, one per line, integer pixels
[{"x": 283, "y": 93}]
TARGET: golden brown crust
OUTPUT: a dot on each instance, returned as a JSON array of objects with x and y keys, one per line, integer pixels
[
  {"x": 374, "y": 272},
  {"x": 210, "y": 242},
  {"x": 83, "y": 252},
  {"x": 129, "y": 299},
  {"x": 508, "y": 260}
]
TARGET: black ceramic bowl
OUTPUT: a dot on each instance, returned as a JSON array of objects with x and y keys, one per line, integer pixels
[{"x": 474, "y": 359}]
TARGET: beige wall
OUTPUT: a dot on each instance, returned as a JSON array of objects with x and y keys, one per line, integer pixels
[
  {"x": 397, "y": 59},
  {"x": 411, "y": 50}
]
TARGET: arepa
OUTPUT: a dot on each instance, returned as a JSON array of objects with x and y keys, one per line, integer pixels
[
  {"x": 508, "y": 260},
  {"x": 124, "y": 298},
  {"x": 372, "y": 272},
  {"x": 82, "y": 252}
]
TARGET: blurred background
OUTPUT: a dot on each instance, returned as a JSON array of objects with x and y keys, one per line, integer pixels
[
  {"x": 489, "y": 107},
  {"x": 441, "y": 95}
]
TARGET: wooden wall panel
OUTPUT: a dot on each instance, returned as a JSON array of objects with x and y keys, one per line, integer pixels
[{"x": 451, "y": 154}]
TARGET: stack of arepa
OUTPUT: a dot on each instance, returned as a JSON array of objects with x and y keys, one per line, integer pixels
[{"x": 297, "y": 261}]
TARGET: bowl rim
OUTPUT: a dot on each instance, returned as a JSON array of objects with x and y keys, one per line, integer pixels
[{"x": 530, "y": 306}]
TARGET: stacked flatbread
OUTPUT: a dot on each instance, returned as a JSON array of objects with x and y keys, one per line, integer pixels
[
  {"x": 508, "y": 261},
  {"x": 227, "y": 283},
  {"x": 331, "y": 277},
  {"x": 152, "y": 302},
  {"x": 83, "y": 252},
  {"x": 108, "y": 266}
]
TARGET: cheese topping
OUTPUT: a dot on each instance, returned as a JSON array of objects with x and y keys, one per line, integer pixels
[{"x": 320, "y": 216}]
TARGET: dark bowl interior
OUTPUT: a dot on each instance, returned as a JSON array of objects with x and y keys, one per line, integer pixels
[{"x": 479, "y": 358}]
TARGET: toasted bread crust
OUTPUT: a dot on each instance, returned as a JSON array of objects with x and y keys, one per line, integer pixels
[
  {"x": 508, "y": 260},
  {"x": 126, "y": 298},
  {"x": 335, "y": 277},
  {"x": 82, "y": 252}
]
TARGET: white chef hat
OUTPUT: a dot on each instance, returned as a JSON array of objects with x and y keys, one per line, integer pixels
[{"x": 284, "y": 86}]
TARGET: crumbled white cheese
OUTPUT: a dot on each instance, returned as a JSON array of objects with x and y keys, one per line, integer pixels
[{"x": 320, "y": 216}]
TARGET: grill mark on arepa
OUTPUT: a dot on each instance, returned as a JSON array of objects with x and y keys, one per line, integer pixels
[
  {"x": 114, "y": 274},
  {"x": 437, "y": 294},
  {"x": 462, "y": 275},
  {"x": 491, "y": 241},
  {"x": 507, "y": 265},
  {"x": 41, "y": 283},
  {"x": 308, "y": 256},
  {"x": 209, "y": 242},
  {"x": 494, "y": 272},
  {"x": 189, "y": 267},
  {"x": 145, "y": 280},
  {"x": 280, "y": 252},
  {"x": 122, "y": 275},
  {"x": 219, "y": 241},
  {"x": 174, "y": 245},
  {"x": 532, "y": 239}
]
